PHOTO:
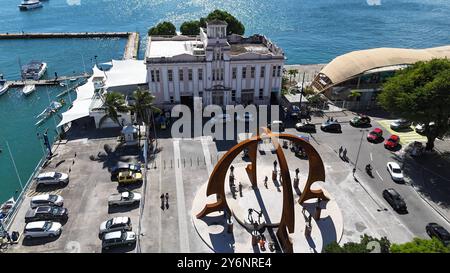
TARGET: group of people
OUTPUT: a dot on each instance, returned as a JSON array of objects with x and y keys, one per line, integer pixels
[
  {"x": 343, "y": 153},
  {"x": 331, "y": 119}
]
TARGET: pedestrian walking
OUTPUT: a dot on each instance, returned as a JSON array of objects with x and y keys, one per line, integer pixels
[
  {"x": 340, "y": 151},
  {"x": 344, "y": 155},
  {"x": 162, "y": 201},
  {"x": 265, "y": 182}
]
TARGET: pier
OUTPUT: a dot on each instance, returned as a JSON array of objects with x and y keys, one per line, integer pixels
[
  {"x": 131, "y": 49},
  {"x": 53, "y": 81}
]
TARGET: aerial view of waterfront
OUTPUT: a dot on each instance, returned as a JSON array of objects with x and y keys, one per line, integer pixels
[{"x": 308, "y": 32}]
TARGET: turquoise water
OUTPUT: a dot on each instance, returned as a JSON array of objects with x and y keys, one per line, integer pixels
[{"x": 310, "y": 31}]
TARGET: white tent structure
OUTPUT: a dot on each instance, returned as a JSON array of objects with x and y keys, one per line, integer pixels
[{"x": 124, "y": 75}]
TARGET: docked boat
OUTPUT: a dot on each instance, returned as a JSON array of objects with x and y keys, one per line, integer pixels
[
  {"x": 3, "y": 86},
  {"x": 34, "y": 70},
  {"x": 28, "y": 89},
  {"x": 30, "y": 4},
  {"x": 6, "y": 207},
  {"x": 51, "y": 109}
]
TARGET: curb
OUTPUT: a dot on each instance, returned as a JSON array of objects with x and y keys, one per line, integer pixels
[{"x": 433, "y": 206}]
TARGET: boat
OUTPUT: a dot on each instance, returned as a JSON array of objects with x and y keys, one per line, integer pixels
[
  {"x": 28, "y": 89},
  {"x": 6, "y": 207},
  {"x": 3, "y": 86},
  {"x": 34, "y": 70},
  {"x": 52, "y": 108},
  {"x": 30, "y": 4}
]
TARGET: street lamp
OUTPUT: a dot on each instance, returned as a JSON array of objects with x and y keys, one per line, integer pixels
[{"x": 359, "y": 150}]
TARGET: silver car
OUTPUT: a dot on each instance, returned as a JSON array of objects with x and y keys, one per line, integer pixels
[
  {"x": 42, "y": 229},
  {"x": 115, "y": 224},
  {"x": 124, "y": 199},
  {"x": 52, "y": 178},
  {"x": 46, "y": 200}
]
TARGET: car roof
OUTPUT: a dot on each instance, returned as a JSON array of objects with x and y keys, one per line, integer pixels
[
  {"x": 47, "y": 174},
  {"x": 394, "y": 137},
  {"x": 43, "y": 209},
  {"x": 377, "y": 130},
  {"x": 41, "y": 197},
  {"x": 394, "y": 164},
  {"x": 37, "y": 224},
  {"x": 392, "y": 191},
  {"x": 113, "y": 235},
  {"x": 125, "y": 194}
]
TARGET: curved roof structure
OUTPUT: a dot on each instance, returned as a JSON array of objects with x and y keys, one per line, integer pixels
[{"x": 354, "y": 63}]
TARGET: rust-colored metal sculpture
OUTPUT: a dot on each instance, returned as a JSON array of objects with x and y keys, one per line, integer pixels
[{"x": 216, "y": 183}]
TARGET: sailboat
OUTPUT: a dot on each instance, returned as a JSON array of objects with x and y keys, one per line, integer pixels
[{"x": 52, "y": 108}]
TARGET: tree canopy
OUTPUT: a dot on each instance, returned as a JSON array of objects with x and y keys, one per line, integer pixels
[
  {"x": 364, "y": 246},
  {"x": 163, "y": 28},
  {"x": 234, "y": 25},
  {"x": 421, "y": 94},
  {"x": 190, "y": 27},
  {"x": 114, "y": 103},
  {"x": 420, "y": 246}
]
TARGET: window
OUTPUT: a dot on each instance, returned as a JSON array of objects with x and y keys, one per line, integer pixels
[
  {"x": 200, "y": 74},
  {"x": 233, "y": 95},
  {"x": 200, "y": 94},
  {"x": 244, "y": 72},
  {"x": 263, "y": 71},
  {"x": 221, "y": 75},
  {"x": 234, "y": 72},
  {"x": 170, "y": 75},
  {"x": 157, "y": 75},
  {"x": 190, "y": 74},
  {"x": 261, "y": 94},
  {"x": 153, "y": 75},
  {"x": 252, "y": 72},
  {"x": 274, "y": 71},
  {"x": 171, "y": 99},
  {"x": 279, "y": 71},
  {"x": 180, "y": 72},
  {"x": 213, "y": 74},
  {"x": 221, "y": 56}
]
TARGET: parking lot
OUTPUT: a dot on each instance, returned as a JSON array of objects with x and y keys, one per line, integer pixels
[{"x": 87, "y": 160}]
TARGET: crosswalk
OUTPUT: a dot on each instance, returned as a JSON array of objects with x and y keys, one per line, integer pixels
[
  {"x": 33, "y": 192},
  {"x": 405, "y": 137}
]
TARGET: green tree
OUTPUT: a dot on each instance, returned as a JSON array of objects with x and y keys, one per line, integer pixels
[
  {"x": 234, "y": 25},
  {"x": 354, "y": 95},
  {"x": 420, "y": 246},
  {"x": 362, "y": 247},
  {"x": 421, "y": 94},
  {"x": 143, "y": 105},
  {"x": 163, "y": 28},
  {"x": 114, "y": 103},
  {"x": 190, "y": 28}
]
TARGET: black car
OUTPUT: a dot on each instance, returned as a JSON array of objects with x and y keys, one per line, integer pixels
[
  {"x": 44, "y": 213},
  {"x": 436, "y": 230},
  {"x": 360, "y": 121},
  {"x": 331, "y": 126},
  {"x": 395, "y": 200},
  {"x": 123, "y": 166},
  {"x": 305, "y": 127}
]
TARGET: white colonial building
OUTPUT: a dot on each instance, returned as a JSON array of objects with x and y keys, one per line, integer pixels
[{"x": 221, "y": 69}]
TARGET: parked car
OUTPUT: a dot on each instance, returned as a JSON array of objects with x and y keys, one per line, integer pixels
[
  {"x": 42, "y": 229},
  {"x": 52, "y": 178},
  {"x": 395, "y": 200},
  {"x": 276, "y": 126},
  {"x": 124, "y": 199},
  {"x": 128, "y": 177},
  {"x": 420, "y": 128},
  {"x": 246, "y": 117},
  {"x": 46, "y": 200},
  {"x": 436, "y": 230},
  {"x": 392, "y": 142},
  {"x": 331, "y": 126},
  {"x": 360, "y": 121},
  {"x": 375, "y": 135},
  {"x": 400, "y": 124},
  {"x": 53, "y": 213},
  {"x": 115, "y": 224},
  {"x": 118, "y": 238},
  {"x": 395, "y": 171},
  {"x": 305, "y": 127},
  {"x": 123, "y": 166}
]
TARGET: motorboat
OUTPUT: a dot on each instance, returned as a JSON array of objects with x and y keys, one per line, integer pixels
[
  {"x": 34, "y": 70},
  {"x": 30, "y": 4},
  {"x": 6, "y": 207},
  {"x": 3, "y": 86},
  {"x": 28, "y": 89}
]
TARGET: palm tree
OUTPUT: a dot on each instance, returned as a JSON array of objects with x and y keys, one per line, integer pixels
[{"x": 114, "y": 103}]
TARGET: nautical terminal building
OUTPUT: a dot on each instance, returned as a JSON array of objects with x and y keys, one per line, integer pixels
[{"x": 221, "y": 69}]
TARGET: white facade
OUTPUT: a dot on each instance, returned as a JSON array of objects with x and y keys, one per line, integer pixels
[{"x": 221, "y": 69}]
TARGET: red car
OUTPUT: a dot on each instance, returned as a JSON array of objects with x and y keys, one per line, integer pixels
[
  {"x": 392, "y": 142},
  {"x": 375, "y": 135}
]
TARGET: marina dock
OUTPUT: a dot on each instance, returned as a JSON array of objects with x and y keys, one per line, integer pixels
[
  {"x": 131, "y": 49},
  {"x": 53, "y": 81}
]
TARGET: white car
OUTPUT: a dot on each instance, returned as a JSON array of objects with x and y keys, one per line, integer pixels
[
  {"x": 115, "y": 224},
  {"x": 46, "y": 200},
  {"x": 124, "y": 198},
  {"x": 42, "y": 229},
  {"x": 246, "y": 117},
  {"x": 224, "y": 118},
  {"x": 51, "y": 178},
  {"x": 395, "y": 171}
]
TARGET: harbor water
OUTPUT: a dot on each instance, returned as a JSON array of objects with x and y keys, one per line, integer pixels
[{"x": 309, "y": 31}]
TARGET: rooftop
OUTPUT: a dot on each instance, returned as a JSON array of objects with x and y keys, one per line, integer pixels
[
  {"x": 237, "y": 49},
  {"x": 170, "y": 48}
]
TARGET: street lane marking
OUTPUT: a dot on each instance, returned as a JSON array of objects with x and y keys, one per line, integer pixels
[
  {"x": 379, "y": 176},
  {"x": 405, "y": 137},
  {"x": 181, "y": 203},
  {"x": 371, "y": 158}
]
